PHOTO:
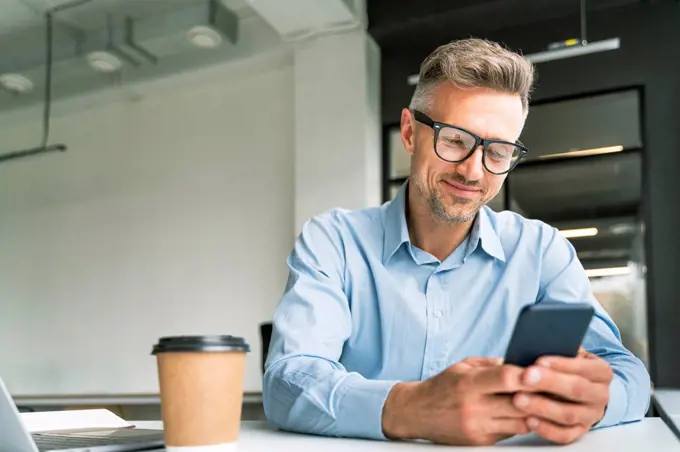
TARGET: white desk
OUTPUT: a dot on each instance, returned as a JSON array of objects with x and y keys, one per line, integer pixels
[
  {"x": 674, "y": 423},
  {"x": 667, "y": 401},
  {"x": 648, "y": 434},
  {"x": 94, "y": 400}
]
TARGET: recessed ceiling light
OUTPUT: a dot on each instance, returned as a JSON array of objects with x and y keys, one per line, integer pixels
[
  {"x": 104, "y": 62},
  {"x": 613, "y": 271},
  {"x": 585, "y": 152},
  {"x": 204, "y": 37},
  {"x": 623, "y": 228},
  {"x": 581, "y": 232},
  {"x": 16, "y": 83}
]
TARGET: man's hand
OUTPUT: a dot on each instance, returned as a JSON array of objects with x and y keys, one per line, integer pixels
[
  {"x": 575, "y": 395},
  {"x": 470, "y": 403}
]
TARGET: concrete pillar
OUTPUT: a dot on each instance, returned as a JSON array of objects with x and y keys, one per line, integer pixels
[{"x": 337, "y": 124}]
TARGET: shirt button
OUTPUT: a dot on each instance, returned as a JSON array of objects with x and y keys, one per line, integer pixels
[{"x": 438, "y": 314}]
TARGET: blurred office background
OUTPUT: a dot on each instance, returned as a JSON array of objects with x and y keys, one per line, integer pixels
[{"x": 188, "y": 141}]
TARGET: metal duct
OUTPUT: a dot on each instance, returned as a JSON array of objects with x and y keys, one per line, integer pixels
[{"x": 136, "y": 40}]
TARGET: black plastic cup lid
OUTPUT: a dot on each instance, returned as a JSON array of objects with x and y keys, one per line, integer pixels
[{"x": 200, "y": 344}]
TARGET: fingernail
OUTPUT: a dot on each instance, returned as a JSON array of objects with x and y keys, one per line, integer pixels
[
  {"x": 521, "y": 401},
  {"x": 533, "y": 376},
  {"x": 532, "y": 422},
  {"x": 545, "y": 362}
]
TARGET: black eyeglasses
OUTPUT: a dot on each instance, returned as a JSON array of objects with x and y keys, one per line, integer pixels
[{"x": 454, "y": 144}]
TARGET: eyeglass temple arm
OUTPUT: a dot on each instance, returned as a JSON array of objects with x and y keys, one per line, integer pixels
[{"x": 422, "y": 117}]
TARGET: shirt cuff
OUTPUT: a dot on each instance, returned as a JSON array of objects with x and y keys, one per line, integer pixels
[
  {"x": 617, "y": 405},
  {"x": 360, "y": 407}
]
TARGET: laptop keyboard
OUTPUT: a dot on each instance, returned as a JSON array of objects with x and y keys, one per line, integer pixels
[{"x": 49, "y": 442}]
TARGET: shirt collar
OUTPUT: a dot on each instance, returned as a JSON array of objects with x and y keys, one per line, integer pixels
[
  {"x": 484, "y": 231},
  {"x": 396, "y": 229}
]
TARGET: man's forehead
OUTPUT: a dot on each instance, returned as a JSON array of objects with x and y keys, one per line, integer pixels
[{"x": 487, "y": 113}]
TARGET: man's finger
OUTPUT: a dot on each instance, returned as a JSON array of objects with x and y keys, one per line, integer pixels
[
  {"x": 559, "y": 412},
  {"x": 567, "y": 386},
  {"x": 498, "y": 380},
  {"x": 556, "y": 433},
  {"x": 594, "y": 369},
  {"x": 582, "y": 352},
  {"x": 502, "y": 406},
  {"x": 475, "y": 362},
  {"x": 481, "y": 361},
  {"x": 502, "y": 427}
]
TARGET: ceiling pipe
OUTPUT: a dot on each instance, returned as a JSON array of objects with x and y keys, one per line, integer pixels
[
  {"x": 43, "y": 147},
  {"x": 141, "y": 39},
  {"x": 121, "y": 41}
]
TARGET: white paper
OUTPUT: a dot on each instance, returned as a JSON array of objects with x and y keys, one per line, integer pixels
[{"x": 67, "y": 420}]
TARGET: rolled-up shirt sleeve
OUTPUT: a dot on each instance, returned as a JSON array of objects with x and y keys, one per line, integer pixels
[
  {"x": 564, "y": 280},
  {"x": 306, "y": 388}
]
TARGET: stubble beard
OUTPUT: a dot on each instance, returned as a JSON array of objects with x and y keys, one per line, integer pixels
[{"x": 435, "y": 199}]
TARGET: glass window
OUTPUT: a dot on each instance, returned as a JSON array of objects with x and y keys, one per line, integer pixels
[
  {"x": 579, "y": 188},
  {"x": 579, "y": 127}
]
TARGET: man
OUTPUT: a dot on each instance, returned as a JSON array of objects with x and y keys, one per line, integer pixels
[{"x": 394, "y": 318}]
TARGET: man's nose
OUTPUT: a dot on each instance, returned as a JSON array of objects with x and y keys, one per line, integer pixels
[{"x": 473, "y": 168}]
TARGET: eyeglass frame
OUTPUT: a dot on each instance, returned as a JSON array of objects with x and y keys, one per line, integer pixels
[{"x": 479, "y": 141}]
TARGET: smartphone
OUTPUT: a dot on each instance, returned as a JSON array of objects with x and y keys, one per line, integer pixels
[{"x": 548, "y": 328}]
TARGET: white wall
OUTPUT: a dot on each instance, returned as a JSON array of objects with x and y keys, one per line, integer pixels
[
  {"x": 337, "y": 121},
  {"x": 169, "y": 215}
]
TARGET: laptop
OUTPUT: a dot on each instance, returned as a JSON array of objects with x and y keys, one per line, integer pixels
[{"x": 15, "y": 438}]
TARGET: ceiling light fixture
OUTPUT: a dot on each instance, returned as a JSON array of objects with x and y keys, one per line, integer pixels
[
  {"x": 204, "y": 37},
  {"x": 572, "y": 48},
  {"x": 564, "y": 49},
  {"x": 611, "y": 271},
  {"x": 567, "y": 50},
  {"x": 581, "y": 232},
  {"x": 16, "y": 83},
  {"x": 585, "y": 152},
  {"x": 104, "y": 62}
]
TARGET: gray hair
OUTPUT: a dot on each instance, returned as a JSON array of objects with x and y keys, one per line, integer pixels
[{"x": 474, "y": 63}]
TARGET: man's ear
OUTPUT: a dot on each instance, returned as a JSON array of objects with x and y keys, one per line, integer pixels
[{"x": 407, "y": 131}]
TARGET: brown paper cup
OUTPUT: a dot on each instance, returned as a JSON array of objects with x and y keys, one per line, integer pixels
[{"x": 201, "y": 385}]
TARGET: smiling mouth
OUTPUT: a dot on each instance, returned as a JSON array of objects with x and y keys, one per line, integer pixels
[{"x": 461, "y": 190}]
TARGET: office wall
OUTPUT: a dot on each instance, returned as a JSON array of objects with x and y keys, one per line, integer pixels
[
  {"x": 337, "y": 124},
  {"x": 648, "y": 57},
  {"x": 169, "y": 214}
]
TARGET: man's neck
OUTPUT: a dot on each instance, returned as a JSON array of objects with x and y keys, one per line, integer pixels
[{"x": 432, "y": 235}]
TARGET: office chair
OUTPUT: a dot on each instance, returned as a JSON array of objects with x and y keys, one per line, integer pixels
[{"x": 266, "y": 337}]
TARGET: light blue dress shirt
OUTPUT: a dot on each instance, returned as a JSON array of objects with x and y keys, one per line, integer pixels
[{"x": 364, "y": 309}]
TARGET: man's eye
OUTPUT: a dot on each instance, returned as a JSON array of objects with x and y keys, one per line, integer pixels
[{"x": 454, "y": 142}]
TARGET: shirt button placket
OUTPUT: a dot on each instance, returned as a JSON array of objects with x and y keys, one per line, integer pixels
[{"x": 431, "y": 296}]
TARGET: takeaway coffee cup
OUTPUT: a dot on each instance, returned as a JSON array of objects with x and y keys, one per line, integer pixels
[{"x": 201, "y": 384}]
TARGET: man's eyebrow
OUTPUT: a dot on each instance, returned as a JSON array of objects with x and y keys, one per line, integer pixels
[{"x": 507, "y": 141}]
